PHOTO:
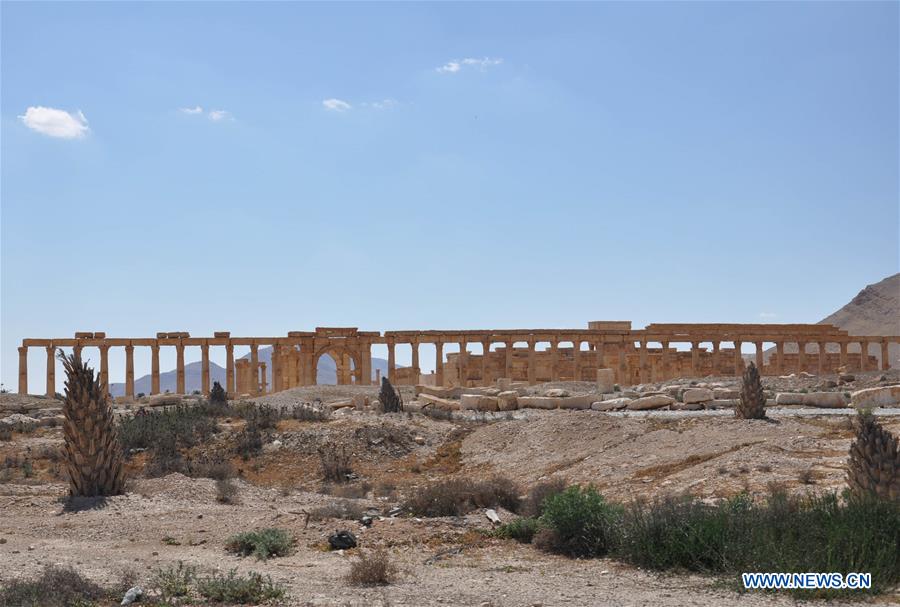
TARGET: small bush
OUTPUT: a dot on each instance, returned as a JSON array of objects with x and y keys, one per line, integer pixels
[
  {"x": 306, "y": 413},
  {"x": 455, "y": 497},
  {"x": 583, "y": 521},
  {"x": 54, "y": 587},
  {"x": 211, "y": 466},
  {"x": 226, "y": 491},
  {"x": 5, "y": 433},
  {"x": 175, "y": 582},
  {"x": 243, "y": 590},
  {"x": 342, "y": 509},
  {"x": 354, "y": 491},
  {"x": 217, "y": 395},
  {"x": 262, "y": 544},
  {"x": 373, "y": 569},
  {"x": 184, "y": 425},
  {"x": 335, "y": 463},
  {"x": 534, "y": 503},
  {"x": 249, "y": 441},
  {"x": 521, "y": 529}
]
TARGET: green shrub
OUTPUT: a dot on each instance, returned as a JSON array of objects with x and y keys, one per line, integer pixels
[
  {"x": 583, "y": 521},
  {"x": 262, "y": 544},
  {"x": 520, "y": 529},
  {"x": 175, "y": 581},
  {"x": 186, "y": 425},
  {"x": 243, "y": 590}
]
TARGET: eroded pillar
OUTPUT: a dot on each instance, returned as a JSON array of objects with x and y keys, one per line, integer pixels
[
  {"x": 885, "y": 356},
  {"x": 129, "y": 371},
  {"x": 254, "y": 369},
  {"x": 229, "y": 366},
  {"x": 623, "y": 365},
  {"x": 554, "y": 360},
  {"x": 695, "y": 358},
  {"x": 716, "y": 366},
  {"x": 576, "y": 359},
  {"x": 485, "y": 363},
  {"x": 759, "y": 356},
  {"x": 507, "y": 363},
  {"x": 439, "y": 363},
  {"x": 179, "y": 368},
  {"x": 23, "y": 370},
  {"x": 738, "y": 359},
  {"x": 863, "y": 355},
  {"x": 51, "y": 371},
  {"x": 779, "y": 357},
  {"x": 154, "y": 369},
  {"x": 532, "y": 363},
  {"x": 415, "y": 362},
  {"x": 843, "y": 355},
  {"x": 801, "y": 356},
  {"x": 665, "y": 359},
  {"x": 204, "y": 368},
  {"x": 463, "y": 363},
  {"x": 104, "y": 367},
  {"x": 645, "y": 369},
  {"x": 392, "y": 371},
  {"x": 822, "y": 354}
]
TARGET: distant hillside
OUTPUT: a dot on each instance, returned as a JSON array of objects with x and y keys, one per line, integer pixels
[{"x": 326, "y": 374}]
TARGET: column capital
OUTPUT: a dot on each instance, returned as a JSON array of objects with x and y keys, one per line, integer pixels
[
  {"x": 129, "y": 348},
  {"x": 23, "y": 349}
]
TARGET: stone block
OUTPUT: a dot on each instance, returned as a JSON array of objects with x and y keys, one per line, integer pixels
[
  {"x": 19, "y": 422},
  {"x": 606, "y": 381},
  {"x": 613, "y": 404},
  {"x": 686, "y": 406},
  {"x": 444, "y": 404},
  {"x": 726, "y": 393},
  {"x": 477, "y": 402},
  {"x": 697, "y": 395},
  {"x": 538, "y": 402},
  {"x": 582, "y": 401},
  {"x": 884, "y": 396},
  {"x": 789, "y": 398},
  {"x": 508, "y": 400},
  {"x": 650, "y": 402},
  {"x": 556, "y": 392},
  {"x": 828, "y": 400},
  {"x": 723, "y": 403},
  {"x": 162, "y": 400}
]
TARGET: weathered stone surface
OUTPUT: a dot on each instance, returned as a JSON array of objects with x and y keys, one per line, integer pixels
[
  {"x": 439, "y": 392},
  {"x": 538, "y": 402},
  {"x": 19, "y": 422},
  {"x": 582, "y": 401},
  {"x": 360, "y": 401},
  {"x": 606, "y": 381},
  {"x": 650, "y": 402},
  {"x": 613, "y": 404},
  {"x": 444, "y": 404},
  {"x": 723, "y": 403},
  {"x": 556, "y": 392},
  {"x": 697, "y": 395},
  {"x": 726, "y": 393},
  {"x": 884, "y": 396},
  {"x": 161, "y": 400},
  {"x": 829, "y": 400},
  {"x": 413, "y": 406},
  {"x": 478, "y": 402},
  {"x": 508, "y": 400},
  {"x": 789, "y": 398},
  {"x": 686, "y": 406}
]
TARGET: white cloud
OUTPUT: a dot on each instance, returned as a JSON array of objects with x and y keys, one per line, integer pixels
[
  {"x": 767, "y": 315},
  {"x": 384, "y": 104},
  {"x": 219, "y": 115},
  {"x": 191, "y": 110},
  {"x": 55, "y": 123},
  {"x": 451, "y": 67},
  {"x": 336, "y": 105}
]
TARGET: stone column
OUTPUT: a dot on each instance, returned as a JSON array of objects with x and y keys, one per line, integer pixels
[
  {"x": 154, "y": 369},
  {"x": 51, "y": 371},
  {"x": 779, "y": 357},
  {"x": 463, "y": 364},
  {"x": 263, "y": 379},
  {"x": 277, "y": 364},
  {"x": 485, "y": 364},
  {"x": 623, "y": 365},
  {"x": 801, "y": 356},
  {"x": 532, "y": 363},
  {"x": 645, "y": 369},
  {"x": 554, "y": 360},
  {"x": 507, "y": 363},
  {"x": 822, "y": 354},
  {"x": 601, "y": 353},
  {"x": 665, "y": 359},
  {"x": 392, "y": 371},
  {"x": 104, "y": 366},
  {"x": 204, "y": 368},
  {"x": 129, "y": 371},
  {"x": 759, "y": 356},
  {"x": 885, "y": 355},
  {"x": 576, "y": 359},
  {"x": 415, "y": 361},
  {"x": 23, "y": 370},
  {"x": 738, "y": 359},
  {"x": 716, "y": 367},
  {"x": 229, "y": 367},
  {"x": 254, "y": 369},
  {"x": 863, "y": 355},
  {"x": 179, "y": 368},
  {"x": 843, "y": 356},
  {"x": 439, "y": 363},
  {"x": 695, "y": 358}
]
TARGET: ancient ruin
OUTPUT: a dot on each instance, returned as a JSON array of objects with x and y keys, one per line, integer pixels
[{"x": 632, "y": 356}]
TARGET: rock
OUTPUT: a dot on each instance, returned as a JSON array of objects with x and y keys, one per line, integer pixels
[
  {"x": 724, "y": 403},
  {"x": 847, "y": 377},
  {"x": 419, "y": 440},
  {"x": 884, "y": 396},
  {"x": 538, "y": 402},
  {"x": 581, "y": 401},
  {"x": 556, "y": 393},
  {"x": 162, "y": 400},
  {"x": 413, "y": 406},
  {"x": 19, "y": 422},
  {"x": 697, "y": 395},
  {"x": 366, "y": 521},
  {"x": 650, "y": 402},
  {"x": 606, "y": 381},
  {"x": 789, "y": 398},
  {"x": 827, "y": 385},
  {"x": 132, "y": 595},
  {"x": 726, "y": 393},
  {"x": 613, "y": 404},
  {"x": 828, "y": 400},
  {"x": 629, "y": 394},
  {"x": 473, "y": 402},
  {"x": 491, "y": 515},
  {"x": 275, "y": 445},
  {"x": 686, "y": 406},
  {"x": 360, "y": 402},
  {"x": 444, "y": 404},
  {"x": 508, "y": 400},
  {"x": 342, "y": 540}
]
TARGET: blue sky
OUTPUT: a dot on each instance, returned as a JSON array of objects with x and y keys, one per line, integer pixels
[{"x": 399, "y": 166}]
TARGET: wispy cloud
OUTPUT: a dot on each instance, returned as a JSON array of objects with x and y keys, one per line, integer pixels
[
  {"x": 384, "y": 104},
  {"x": 452, "y": 67},
  {"x": 768, "y": 315},
  {"x": 336, "y": 105},
  {"x": 55, "y": 123},
  {"x": 214, "y": 115}
]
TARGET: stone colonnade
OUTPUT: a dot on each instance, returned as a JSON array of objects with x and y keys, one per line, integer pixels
[{"x": 570, "y": 354}]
